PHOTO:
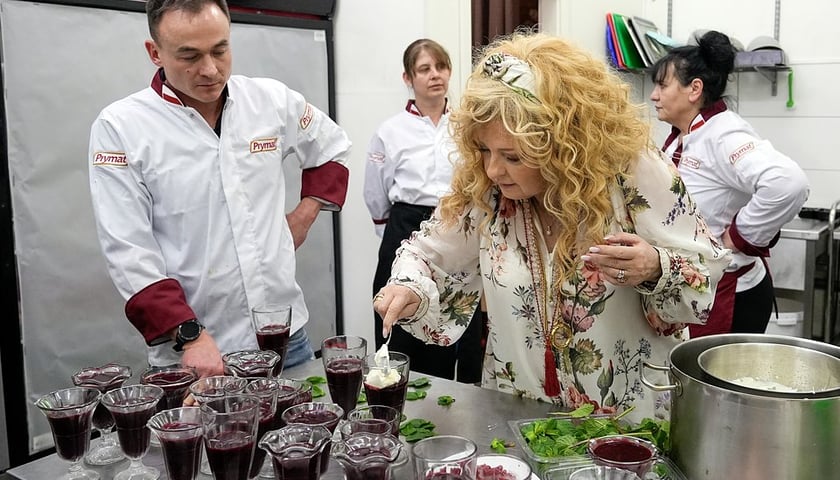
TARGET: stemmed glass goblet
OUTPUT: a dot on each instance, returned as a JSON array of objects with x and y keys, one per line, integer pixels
[
  {"x": 343, "y": 356},
  {"x": 132, "y": 407},
  {"x": 69, "y": 413},
  {"x": 180, "y": 432},
  {"x": 104, "y": 378}
]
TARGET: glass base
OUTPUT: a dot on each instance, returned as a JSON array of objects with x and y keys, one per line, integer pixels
[
  {"x": 141, "y": 472},
  {"x": 79, "y": 473},
  {"x": 267, "y": 470},
  {"x": 205, "y": 464},
  {"x": 104, "y": 454}
]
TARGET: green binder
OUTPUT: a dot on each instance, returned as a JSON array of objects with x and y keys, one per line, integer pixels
[{"x": 628, "y": 49}]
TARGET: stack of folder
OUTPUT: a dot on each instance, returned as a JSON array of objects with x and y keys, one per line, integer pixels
[{"x": 634, "y": 43}]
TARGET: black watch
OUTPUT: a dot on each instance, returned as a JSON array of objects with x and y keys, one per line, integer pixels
[{"x": 187, "y": 332}]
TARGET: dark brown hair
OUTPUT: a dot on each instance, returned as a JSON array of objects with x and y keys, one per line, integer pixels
[
  {"x": 156, "y": 8},
  {"x": 416, "y": 48}
]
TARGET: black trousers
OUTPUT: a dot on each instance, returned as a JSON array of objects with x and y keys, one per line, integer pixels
[
  {"x": 467, "y": 353},
  {"x": 753, "y": 307}
]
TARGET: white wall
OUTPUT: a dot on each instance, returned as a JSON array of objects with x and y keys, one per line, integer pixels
[{"x": 371, "y": 35}]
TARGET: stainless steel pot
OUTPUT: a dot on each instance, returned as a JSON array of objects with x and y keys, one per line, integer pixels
[{"x": 720, "y": 431}]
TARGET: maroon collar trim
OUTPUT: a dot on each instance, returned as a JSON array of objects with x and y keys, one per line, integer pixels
[
  {"x": 411, "y": 107},
  {"x": 160, "y": 87}
]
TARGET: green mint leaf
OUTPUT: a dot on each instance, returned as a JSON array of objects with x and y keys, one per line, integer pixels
[
  {"x": 316, "y": 380},
  {"x": 445, "y": 400},
  {"x": 421, "y": 382},
  {"x": 498, "y": 445}
]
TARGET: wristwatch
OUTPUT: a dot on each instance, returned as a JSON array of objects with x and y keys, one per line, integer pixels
[{"x": 187, "y": 332}]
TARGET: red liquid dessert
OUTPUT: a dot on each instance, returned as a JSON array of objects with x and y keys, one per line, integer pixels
[
  {"x": 284, "y": 401},
  {"x": 229, "y": 454},
  {"x": 344, "y": 378},
  {"x": 174, "y": 385},
  {"x": 372, "y": 471},
  {"x": 622, "y": 451},
  {"x": 297, "y": 466},
  {"x": 276, "y": 338},
  {"x": 268, "y": 422},
  {"x": 71, "y": 435},
  {"x": 318, "y": 417},
  {"x": 182, "y": 456},
  {"x": 132, "y": 431},
  {"x": 392, "y": 395},
  {"x": 486, "y": 472}
]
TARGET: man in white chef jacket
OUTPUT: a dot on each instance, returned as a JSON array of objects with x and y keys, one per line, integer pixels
[{"x": 189, "y": 192}]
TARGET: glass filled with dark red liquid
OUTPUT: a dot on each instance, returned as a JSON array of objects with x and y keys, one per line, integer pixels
[
  {"x": 266, "y": 390},
  {"x": 69, "y": 413},
  {"x": 104, "y": 378},
  {"x": 273, "y": 326},
  {"x": 132, "y": 407},
  {"x": 322, "y": 414},
  {"x": 252, "y": 363},
  {"x": 175, "y": 381},
  {"x": 180, "y": 433},
  {"x": 230, "y": 435},
  {"x": 297, "y": 451},
  {"x": 343, "y": 356},
  {"x": 368, "y": 456},
  {"x": 386, "y": 381}
]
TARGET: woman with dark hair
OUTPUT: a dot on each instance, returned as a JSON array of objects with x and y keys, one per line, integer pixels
[
  {"x": 408, "y": 169},
  {"x": 744, "y": 187}
]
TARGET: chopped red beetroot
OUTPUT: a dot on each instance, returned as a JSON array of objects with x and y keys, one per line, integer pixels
[{"x": 486, "y": 472}]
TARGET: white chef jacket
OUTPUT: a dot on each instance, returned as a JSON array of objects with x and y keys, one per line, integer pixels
[
  {"x": 194, "y": 223},
  {"x": 408, "y": 161},
  {"x": 729, "y": 170}
]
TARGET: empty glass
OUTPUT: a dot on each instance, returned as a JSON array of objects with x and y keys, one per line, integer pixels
[
  {"x": 368, "y": 456},
  {"x": 230, "y": 429},
  {"x": 69, "y": 413},
  {"x": 343, "y": 356},
  {"x": 132, "y": 407},
  {"x": 180, "y": 432},
  {"x": 104, "y": 378},
  {"x": 297, "y": 450},
  {"x": 273, "y": 325},
  {"x": 445, "y": 457}
]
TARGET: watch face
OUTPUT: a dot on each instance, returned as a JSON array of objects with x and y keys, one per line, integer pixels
[{"x": 189, "y": 330}]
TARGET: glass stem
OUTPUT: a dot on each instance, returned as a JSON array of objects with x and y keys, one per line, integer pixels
[{"x": 107, "y": 437}]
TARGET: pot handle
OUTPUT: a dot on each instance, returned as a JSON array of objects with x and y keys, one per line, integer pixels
[{"x": 659, "y": 388}]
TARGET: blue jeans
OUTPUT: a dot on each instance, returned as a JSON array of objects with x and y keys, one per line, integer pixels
[{"x": 299, "y": 349}]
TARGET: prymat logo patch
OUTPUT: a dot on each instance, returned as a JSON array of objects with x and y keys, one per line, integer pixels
[{"x": 110, "y": 159}]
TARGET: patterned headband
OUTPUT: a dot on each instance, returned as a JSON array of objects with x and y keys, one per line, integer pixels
[{"x": 513, "y": 72}]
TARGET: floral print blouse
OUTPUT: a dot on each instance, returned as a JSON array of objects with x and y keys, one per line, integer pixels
[{"x": 608, "y": 330}]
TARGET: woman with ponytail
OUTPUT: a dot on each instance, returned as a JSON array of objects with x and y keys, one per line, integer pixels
[{"x": 745, "y": 188}]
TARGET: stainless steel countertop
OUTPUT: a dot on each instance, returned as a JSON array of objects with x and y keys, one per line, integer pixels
[
  {"x": 479, "y": 414},
  {"x": 804, "y": 229}
]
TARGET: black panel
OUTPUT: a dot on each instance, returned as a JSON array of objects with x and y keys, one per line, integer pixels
[{"x": 321, "y": 8}]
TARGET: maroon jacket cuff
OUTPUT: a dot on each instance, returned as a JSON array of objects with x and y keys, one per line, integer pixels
[
  {"x": 327, "y": 182},
  {"x": 746, "y": 247},
  {"x": 158, "y": 308}
]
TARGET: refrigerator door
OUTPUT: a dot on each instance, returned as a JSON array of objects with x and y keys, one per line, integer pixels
[{"x": 62, "y": 65}]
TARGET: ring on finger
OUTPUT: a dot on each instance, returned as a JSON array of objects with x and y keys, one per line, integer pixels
[
  {"x": 621, "y": 275},
  {"x": 378, "y": 296}
]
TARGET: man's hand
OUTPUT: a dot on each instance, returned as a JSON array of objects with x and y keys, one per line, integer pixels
[
  {"x": 300, "y": 219},
  {"x": 203, "y": 355}
]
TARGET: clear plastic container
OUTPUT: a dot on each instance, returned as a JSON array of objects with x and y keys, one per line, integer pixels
[{"x": 561, "y": 467}]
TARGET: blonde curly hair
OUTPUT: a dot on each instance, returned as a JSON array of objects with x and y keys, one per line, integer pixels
[{"x": 583, "y": 134}]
